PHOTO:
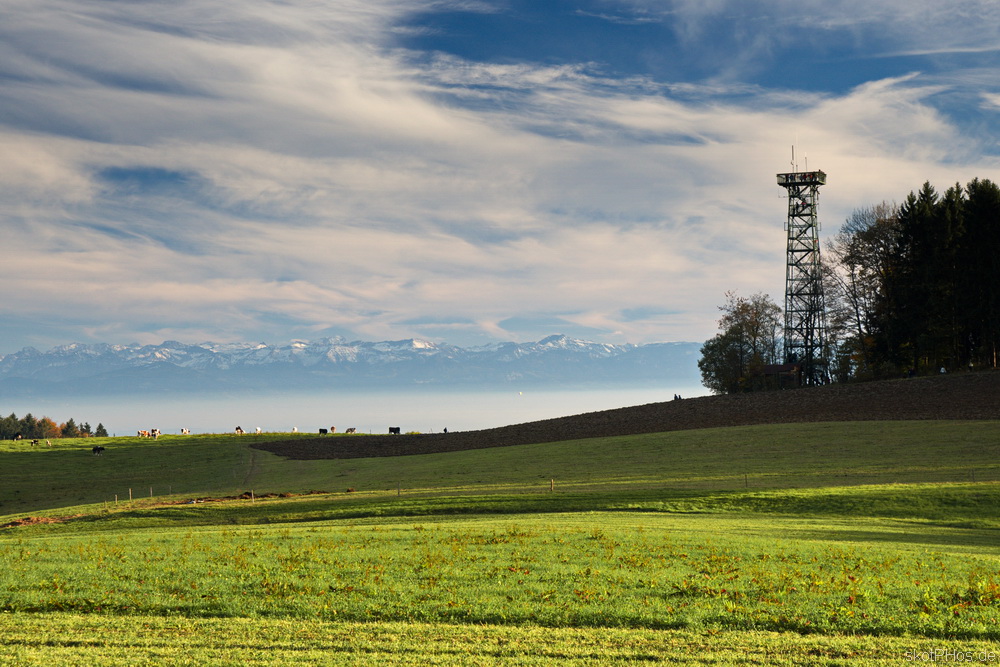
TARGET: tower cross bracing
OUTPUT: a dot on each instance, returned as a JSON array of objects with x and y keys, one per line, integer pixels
[{"x": 805, "y": 309}]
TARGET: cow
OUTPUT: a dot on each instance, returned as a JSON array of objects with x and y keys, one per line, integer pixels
[
  {"x": 295, "y": 429},
  {"x": 97, "y": 450},
  {"x": 185, "y": 431},
  {"x": 239, "y": 431},
  {"x": 322, "y": 431},
  {"x": 34, "y": 442},
  {"x": 393, "y": 430},
  {"x": 154, "y": 433},
  {"x": 351, "y": 430},
  {"x": 333, "y": 429},
  {"x": 17, "y": 436},
  {"x": 258, "y": 431},
  {"x": 142, "y": 434}
]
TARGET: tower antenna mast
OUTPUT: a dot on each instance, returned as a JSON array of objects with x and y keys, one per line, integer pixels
[{"x": 805, "y": 307}]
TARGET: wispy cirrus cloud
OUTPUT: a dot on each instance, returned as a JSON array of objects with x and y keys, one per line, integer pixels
[{"x": 268, "y": 170}]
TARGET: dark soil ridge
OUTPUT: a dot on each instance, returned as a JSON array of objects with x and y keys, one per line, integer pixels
[{"x": 965, "y": 396}]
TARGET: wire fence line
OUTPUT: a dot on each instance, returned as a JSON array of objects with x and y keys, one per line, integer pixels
[{"x": 146, "y": 494}]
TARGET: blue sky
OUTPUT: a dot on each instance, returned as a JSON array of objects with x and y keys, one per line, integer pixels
[{"x": 456, "y": 170}]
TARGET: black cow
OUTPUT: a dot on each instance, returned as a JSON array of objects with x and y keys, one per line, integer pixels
[
  {"x": 97, "y": 450},
  {"x": 351, "y": 430},
  {"x": 322, "y": 431},
  {"x": 393, "y": 430}
]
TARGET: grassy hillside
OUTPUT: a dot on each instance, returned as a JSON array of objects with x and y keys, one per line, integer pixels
[
  {"x": 784, "y": 544},
  {"x": 761, "y": 457}
]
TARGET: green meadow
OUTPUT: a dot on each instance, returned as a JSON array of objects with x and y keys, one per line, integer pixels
[{"x": 835, "y": 543}]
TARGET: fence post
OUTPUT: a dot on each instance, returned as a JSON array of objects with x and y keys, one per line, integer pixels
[
  {"x": 130, "y": 495},
  {"x": 552, "y": 484}
]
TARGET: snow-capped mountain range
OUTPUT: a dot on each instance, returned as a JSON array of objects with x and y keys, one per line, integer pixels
[{"x": 334, "y": 363}]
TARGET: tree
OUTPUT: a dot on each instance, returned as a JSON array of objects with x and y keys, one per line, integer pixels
[
  {"x": 749, "y": 339},
  {"x": 9, "y": 427},
  {"x": 978, "y": 294},
  {"x": 916, "y": 288},
  {"x": 28, "y": 426},
  {"x": 857, "y": 267},
  {"x": 70, "y": 429},
  {"x": 101, "y": 432},
  {"x": 920, "y": 328},
  {"x": 32, "y": 428},
  {"x": 48, "y": 428}
]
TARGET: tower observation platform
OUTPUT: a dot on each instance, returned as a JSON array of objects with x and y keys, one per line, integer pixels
[{"x": 805, "y": 308}]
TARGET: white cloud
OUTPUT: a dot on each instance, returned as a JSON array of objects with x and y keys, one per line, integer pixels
[{"x": 326, "y": 179}]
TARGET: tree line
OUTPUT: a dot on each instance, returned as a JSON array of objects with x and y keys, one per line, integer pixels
[
  {"x": 911, "y": 288},
  {"x": 31, "y": 428},
  {"x": 915, "y": 288}
]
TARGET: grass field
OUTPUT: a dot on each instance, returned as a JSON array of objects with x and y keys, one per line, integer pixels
[{"x": 869, "y": 543}]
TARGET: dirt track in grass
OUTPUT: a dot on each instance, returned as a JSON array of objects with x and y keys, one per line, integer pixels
[{"x": 959, "y": 396}]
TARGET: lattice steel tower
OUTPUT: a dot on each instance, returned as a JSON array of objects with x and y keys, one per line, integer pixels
[{"x": 805, "y": 309}]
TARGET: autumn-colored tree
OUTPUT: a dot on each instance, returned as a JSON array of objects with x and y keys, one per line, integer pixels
[
  {"x": 749, "y": 339},
  {"x": 48, "y": 428}
]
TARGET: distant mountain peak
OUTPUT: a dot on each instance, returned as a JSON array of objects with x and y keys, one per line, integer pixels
[{"x": 334, "y": 363}]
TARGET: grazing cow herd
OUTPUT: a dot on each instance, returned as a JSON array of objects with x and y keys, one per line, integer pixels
[
  {"x": 155, "y": 433},
  {"x": 239, "y": 430}
]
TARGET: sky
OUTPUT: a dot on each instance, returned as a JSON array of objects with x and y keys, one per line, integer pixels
[{"x": 461, "y": 171}]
